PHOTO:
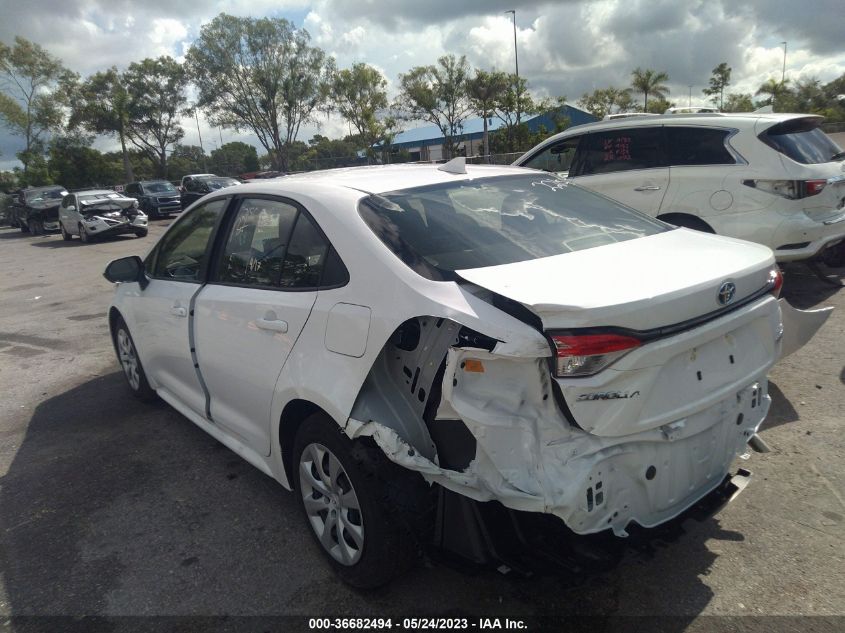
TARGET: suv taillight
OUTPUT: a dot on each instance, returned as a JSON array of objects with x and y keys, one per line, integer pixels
[
  {"x": 790, "y": 189},
  {"x": 587, "y": 354}
]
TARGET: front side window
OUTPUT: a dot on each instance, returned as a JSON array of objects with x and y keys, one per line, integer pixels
[
  {"x": 697, "y": 146},
  {"x": 556, "y": 158},
  {"x": 256, "y": 246},
  {"x": 182, "y": 252},
  {"x": 621, "y": 149},
  {"x": 439, "y": 229}
]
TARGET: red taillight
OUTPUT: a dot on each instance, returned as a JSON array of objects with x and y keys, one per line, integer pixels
[
  {"x": 587, "y": 354},
  {"x": 812, "y": 187},
  {"x": 775, "y": 281}
]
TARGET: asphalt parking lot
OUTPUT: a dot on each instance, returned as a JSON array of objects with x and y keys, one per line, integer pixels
[{"x": 112, "y": 507}]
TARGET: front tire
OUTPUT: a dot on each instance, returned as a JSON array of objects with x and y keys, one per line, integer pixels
[
  {"x": 127, "y": 355},
  {"x": 141, "y": 233},
  {"x": 343, "y": 489},
  {"x": 65, "y": 235},
  {"x": 83, "y": 235}
]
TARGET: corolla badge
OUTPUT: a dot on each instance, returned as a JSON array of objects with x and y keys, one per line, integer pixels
[{"x": 726, "y": 293}]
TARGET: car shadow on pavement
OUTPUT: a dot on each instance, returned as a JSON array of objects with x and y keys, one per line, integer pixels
[
  {"x": 781, "y": 410},
  {"x": 804, "y": 290},
  {"x": 114, "y": 506}
]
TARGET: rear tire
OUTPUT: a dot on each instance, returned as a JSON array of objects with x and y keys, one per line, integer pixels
[
  {"x": 127, "y": 356},
  {"x": 353, "y": 499}
]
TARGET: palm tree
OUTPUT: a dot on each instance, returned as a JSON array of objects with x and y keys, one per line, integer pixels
[
  {"x": 649, "y": 82},
  {"x": 772, "y": 88}
]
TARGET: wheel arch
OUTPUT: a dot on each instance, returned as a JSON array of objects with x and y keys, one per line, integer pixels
[
  {"x": 686, "y": 220},
  {"x": 293, "y": 415}
]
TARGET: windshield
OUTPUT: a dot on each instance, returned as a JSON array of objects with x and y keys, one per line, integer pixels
[
  {"x": 442, "y": 228},
  {"x": 802, "y": 141},
  {"x": 158, "y": 187}
]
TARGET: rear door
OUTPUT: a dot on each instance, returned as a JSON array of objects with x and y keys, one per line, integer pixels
[
  {"x": 161, "y": 311},
  {"x": 249, "y": 316},
  {"x": 625, "y": 164}
]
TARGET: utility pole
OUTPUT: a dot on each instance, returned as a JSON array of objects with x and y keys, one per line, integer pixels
[
  {"x": 689, "y": 103},
  {"x": 516, "y": 61}
]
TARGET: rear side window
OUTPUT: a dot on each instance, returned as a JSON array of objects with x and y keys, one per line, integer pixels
[
  {"x": 802, "y": 141},
  {"x": 439, "y": 229},
  {"x": 256, "y": 245},
  {"x": 306, "y": 256},
  {"x": 697, "y": 146},
  {"x": 618, "y": 150}
]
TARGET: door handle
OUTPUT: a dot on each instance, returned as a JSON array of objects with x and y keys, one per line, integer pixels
[
  {"x": 274, "y": 325},
  {"x": 647, "y": 188},
  {"x": 179, "y": 311}
]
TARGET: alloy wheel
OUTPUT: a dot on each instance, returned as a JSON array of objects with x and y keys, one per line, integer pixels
[
  {"x": 331, "y": 504},
  {"x": 128, "y": 359}
]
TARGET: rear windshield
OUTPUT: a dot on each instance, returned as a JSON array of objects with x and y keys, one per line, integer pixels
[
  {"x": 802, "y": 141},
  {"x": 442, "y": 228}
]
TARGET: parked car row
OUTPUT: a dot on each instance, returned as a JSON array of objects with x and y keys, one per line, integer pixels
[{"x": 399, "y": 345}]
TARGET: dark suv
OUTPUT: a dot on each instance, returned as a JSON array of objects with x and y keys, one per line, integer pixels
[
  {"x": 156, "y": 198},
  {"x": 198, "y": 186}
]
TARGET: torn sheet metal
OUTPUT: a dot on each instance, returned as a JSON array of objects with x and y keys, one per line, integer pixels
[
  {"x": 799, "y": 326},
  {"x": 529, "y": 458}
]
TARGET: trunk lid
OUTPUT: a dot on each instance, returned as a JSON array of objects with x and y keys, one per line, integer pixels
[{"x": 641, "y": 284}]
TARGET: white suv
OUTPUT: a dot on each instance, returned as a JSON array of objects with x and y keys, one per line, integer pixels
[{"x": 775, "y": 179}]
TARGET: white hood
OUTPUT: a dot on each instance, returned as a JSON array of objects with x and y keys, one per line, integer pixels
[{"x": 641, "y": 284}]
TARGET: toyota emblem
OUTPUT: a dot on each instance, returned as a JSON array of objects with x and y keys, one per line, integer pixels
[{"x": 726, "y": 293}]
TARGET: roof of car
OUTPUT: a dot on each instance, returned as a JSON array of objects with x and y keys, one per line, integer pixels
[
  {"x": 383, "y": 178},
  {"x": 698, "y": 118}
]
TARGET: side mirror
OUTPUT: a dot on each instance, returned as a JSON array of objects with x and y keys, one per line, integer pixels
[
  {"x": 127, "y": 270},
  {"x": 70, "y": 207}
]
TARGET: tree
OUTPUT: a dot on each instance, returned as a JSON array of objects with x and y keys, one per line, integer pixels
[
  {"x": 719, "y": 80},
  {"x": 649, "y": 82},
  {"x": 74, "y": 164},
  {"x": 234, "y": 158},
  {"x": 773, "y": 89},
  {"x": 438, "y": 94},
  {"x": 359, "y": 94},
  {"x": 187, "y": 159},
  {"x": 511, "y": 104},
  {"x": 484, "y": 91},
  {"x": 35, "y": 86},
  {"x": 157, "y": 100},
  {"x": 261, "y": 75},
  {"x": 101, "y": 106},
  {"x": 739, "y": 102},
  {"x": 602, "y": 102}
]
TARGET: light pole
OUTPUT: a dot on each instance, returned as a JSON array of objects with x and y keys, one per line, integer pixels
[
  {"x": 783, "y": 71},
  {"x": 196, "y": 116},
  {"x": 689, "y": 103},
  {"x": 516, "y": 60}
]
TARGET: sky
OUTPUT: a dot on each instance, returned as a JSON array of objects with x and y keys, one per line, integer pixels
[{"x": 565, "y": 47}]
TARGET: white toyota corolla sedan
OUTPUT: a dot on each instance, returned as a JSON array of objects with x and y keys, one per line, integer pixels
[{"x": 401, "y": 344}]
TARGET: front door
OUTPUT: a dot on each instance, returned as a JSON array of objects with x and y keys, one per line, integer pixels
[{"x": 162, "y": 311}]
